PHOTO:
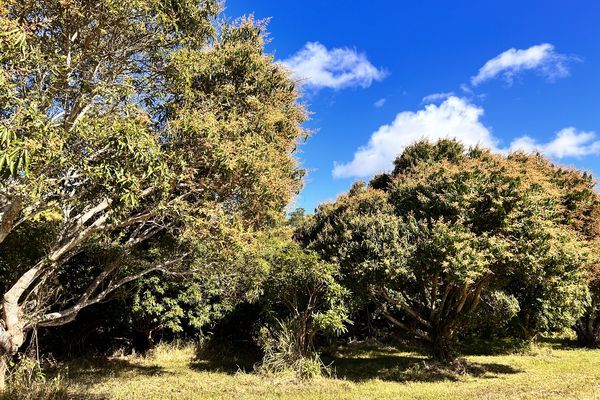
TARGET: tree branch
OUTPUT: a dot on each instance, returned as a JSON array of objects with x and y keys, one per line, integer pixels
[
  {"x": 396, "y": 322},
  {"x": 9, "y": 211},
  {"x": 405, "y": 307},
  {"x": 62, "y": 317}
]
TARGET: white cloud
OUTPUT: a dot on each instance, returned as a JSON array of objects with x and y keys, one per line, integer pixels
[
  {"x": 454, "y": 118},
  {"x": 541, "y": 58},
  {"x": 379, "y": 103},
  {"x": 332, "y": 68},
  {"x": 568, "y": 142},
  {"x": 435, "y": 97}
]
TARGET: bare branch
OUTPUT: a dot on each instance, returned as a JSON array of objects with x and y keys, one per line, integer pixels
[{"x": 395, "y": 321}]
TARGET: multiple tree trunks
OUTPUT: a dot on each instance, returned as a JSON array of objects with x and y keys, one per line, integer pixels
[
  {"x": 434, "y": 324},
  {"x": 588, "y": 330}
]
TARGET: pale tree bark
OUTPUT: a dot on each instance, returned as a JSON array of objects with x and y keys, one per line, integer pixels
[
  {"x": 4, "y": 360},
  {"x": 17, "y": 320},
  {"x": 12, "y": 325},
  {"x": 437, "y": 319},
  {"x": 10, "y": 208},
  {"x": 19, "y": 313}
]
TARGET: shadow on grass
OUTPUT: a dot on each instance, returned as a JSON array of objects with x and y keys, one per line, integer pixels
[
  {"x": 403, "y": 364},
  {"x": 97, "y": 370},
  {"x": 502, "y": 346},
  {"x": 86, "y": 373},
  {"x": 493, "y": 347},
  {"x": 230, "y": 363},
  {"x": 82, "y": 375},
  {"x": 226, "y": 357},
  {"x": 561, "y": 343},
  {"x": 363, "y": 361},
  {"x": 230, "y": 367}
]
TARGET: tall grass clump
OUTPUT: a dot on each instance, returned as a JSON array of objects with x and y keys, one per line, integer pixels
[{"x": 27, "y": 381}]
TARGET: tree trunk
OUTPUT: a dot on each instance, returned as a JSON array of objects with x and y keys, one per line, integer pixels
[
  {"x": 12, "y": 325},
  {"x": 441, "y": 344},
  {"x": 6, "y": 354},
  {"x": 10, "y": 209},
  {"x": 3, "y": 369},
  {"x": 587, "y": 331},
  {"x": 528, "y": 332}
]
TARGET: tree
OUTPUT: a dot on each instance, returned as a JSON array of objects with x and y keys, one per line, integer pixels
[
  {"x": 296, "y": 217},
  {"x": 448, "y": 225},
  {"x": 582, "y": 211},
  {"x": 220, "y": 279},
  {"x": 545, "y": 302},
  {"x": 302, "y": 299},
  {"x": 587, "y": 326},
  {"x": 139, "y": 127}
]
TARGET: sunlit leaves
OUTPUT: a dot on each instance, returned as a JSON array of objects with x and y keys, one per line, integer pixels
[
  {"x": 449, "y": 224},
  {"x": 141, "y": 121}
]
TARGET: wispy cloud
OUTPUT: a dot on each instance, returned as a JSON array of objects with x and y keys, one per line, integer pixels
[
  {"x": 435, "y": 97},
  {"x": 567, "y": 142},
  {"x": 335, "y": 68},
  {"x": 541, "y": 58},
  {"x": 454, "y": 118},
  {"x": 379, "y": 103}
]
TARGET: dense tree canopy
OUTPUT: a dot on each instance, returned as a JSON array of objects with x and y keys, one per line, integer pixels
[
  {"x": 143, "y": 127},
  {"x": 449, "y": 224}
]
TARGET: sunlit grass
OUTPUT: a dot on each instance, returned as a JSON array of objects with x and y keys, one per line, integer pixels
[{"x": 363, "y": 372}]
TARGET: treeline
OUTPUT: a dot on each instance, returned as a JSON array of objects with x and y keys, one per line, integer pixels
[
  {"x": 147, "y": 154},
  {"x": 455, "y": 243}
]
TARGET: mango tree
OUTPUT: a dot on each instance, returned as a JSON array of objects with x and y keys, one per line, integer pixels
[
  {"x": 448, "y": 225},
  {"x": 141, "y": 127}
]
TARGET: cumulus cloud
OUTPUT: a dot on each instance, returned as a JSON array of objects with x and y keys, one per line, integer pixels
[
  {"x": 568, "y": 142},
  {"x": 435, "y": 97},
  {"x": 459, "y": 119},
  {"x": 541, "y": 58},
  {"x": 379, "y": 103},
  {"x": 454, "y": 118},
  {"x": 332, "y": 68}
]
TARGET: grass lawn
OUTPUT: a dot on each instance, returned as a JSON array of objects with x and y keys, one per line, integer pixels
[{"x": 362, "y": 371}]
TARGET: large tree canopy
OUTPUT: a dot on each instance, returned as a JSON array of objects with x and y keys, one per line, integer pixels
[
  {"x": 144, "y": 127},
  {"x": 425, "y": 242}
]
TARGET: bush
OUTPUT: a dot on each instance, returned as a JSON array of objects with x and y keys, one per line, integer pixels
[
  {"x": 27, "y": 381},
  {"x": 302, "y": 300},
  {"x": 281, "y": 355}
]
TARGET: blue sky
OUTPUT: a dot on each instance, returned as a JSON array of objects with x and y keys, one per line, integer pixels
[{"x": 505, "y": 74}]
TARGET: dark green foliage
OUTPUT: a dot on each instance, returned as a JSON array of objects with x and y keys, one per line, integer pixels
[
  {"x": 302, "y": 299},
  {"x": 587, "y": 327},
  {"x": 451, "y": 225}
]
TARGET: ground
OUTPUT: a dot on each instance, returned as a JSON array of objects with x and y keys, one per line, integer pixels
[{"x": 362, "y": 371}]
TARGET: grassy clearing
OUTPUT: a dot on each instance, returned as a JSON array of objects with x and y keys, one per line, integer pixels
[{"x": 548, "y": 371}]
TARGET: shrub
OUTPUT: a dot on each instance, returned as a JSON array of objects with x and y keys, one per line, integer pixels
[
  {"x": 302, "y": 300},
  {"x": 27, "y": 381}
]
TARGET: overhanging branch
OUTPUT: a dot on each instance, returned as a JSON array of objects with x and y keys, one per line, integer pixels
[{"x": 67, "y": 315}]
